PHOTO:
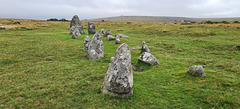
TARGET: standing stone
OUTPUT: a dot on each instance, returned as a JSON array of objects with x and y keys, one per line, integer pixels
[
  {"x": 119, "y": 77},
  {"x": 91, "y": 28},
  {"x": 96, "y": 48},
  {"x": 117, "y": 40},
  {"x": 86, "y": 43},
  {"x": 76, "y": 24},
  {"x": 110, "y": 37},
  {"x": 197, "y": 71},
  {"x": 121, "y": 35},
  {"x": 101, "y": 32},
  {"x": 148, "y": 58},
  {"x": 145, "y": 47},
  {"x": 108, "y": 32}
]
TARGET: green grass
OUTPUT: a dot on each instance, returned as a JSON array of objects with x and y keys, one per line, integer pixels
[{"x": 44, "y": 67}]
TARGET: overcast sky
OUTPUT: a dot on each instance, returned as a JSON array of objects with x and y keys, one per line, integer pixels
[{"x": 87, "y": 9}]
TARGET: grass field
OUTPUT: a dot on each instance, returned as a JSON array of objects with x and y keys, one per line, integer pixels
[{"x": 41, "y": 66}]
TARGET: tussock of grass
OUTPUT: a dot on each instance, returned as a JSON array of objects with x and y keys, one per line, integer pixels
[{"x": 41, "y": 66}]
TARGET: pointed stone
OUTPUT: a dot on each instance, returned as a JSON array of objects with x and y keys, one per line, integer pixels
[
  {"x": 96, "y": 48},
  {"x": 86, "y": 43},
  {"x": 145, "y": 47},
  {"x": 76, "y": 23},
  {"x": 119, "y": 77},
  {"x": 110, "y": 37},
  {"x": 101, "y": 32},
  {"x": 91, "y": 28},
  {"x": 108, "y": 32},
  {"x": 197, "y": 71},
  {"x": 148, "y": 58}
]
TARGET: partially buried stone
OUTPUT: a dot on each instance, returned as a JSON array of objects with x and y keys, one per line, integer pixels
[
  {"x": 76, "y": 23},
  {"x": 101, "y": 32},
  {"x": 110, "y": 37},
  {"x": 86, "y": 43},
  {"x": 96, "y": 48},
  {"x": 119, "y": 77},
  {"x": 117, "y": 40},
  {"x": 145, "y": 47},
  {"x": 121, "y": 35},
  {"x": 91, "y": 28},
  {"x": 108, "y": 32},
  {"x": 148, "y": 58},
  {"x": 197, "y": 71},
  {"x": 3, "y": 28}
]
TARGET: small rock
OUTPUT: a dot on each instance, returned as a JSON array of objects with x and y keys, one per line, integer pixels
[
  {"x": 101, "y": 32},
  {"x": 121, "y": 35},
  {"x": 145, "y": 47},
  {"x": 3, "y": 28},
  {"x": 108, "y": 32},
  {"x": 148, "y": 58},
  {"x": 117, "y": 40},
  {"x": 96, "y": 48},
  {"x": 91, "y": 28},
  {"x": 86, "y": 43},
  {"x": 119, "y": 77},
  {"x": 110, "y": 37},
  {"x": 197, "y": 71}
]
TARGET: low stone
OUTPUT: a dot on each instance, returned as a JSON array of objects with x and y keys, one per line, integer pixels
[
  {"x": 110, "y": 37},
  {"x": 148, "y": 58},
  {"x": 121, "y": 35},
  {"x": 145, "y": 47},
  {"x": 3, "y": 28},
  {"x": 108, "y": 32},
  {"x": 197, "y": 71},
  {"x": 117, "y": 40},
  {"x": 96, "y": 48},
  {"x": 86, "y": 43},
  {"x": 91, "y": 28},
  {"x": 101, "y": 32},
  {"x": 74, "y": 36},
  {"x": 119, "y": 77}
]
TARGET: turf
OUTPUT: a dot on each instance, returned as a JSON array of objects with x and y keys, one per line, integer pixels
[{"x": 43, "y": 67}]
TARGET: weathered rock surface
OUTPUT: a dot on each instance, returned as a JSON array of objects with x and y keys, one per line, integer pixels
[
  {"x": 117, "y": 40},
  {"x": 197, "y": 71},
  {"x": 96, "y": 48},
  {"x": 148, "y": 58},
  {"x": 145, "y": 47},
  {"x": 110, "y": 37},
  {"x": 119, "y": 77},
  {"x": 86, "y": 43},
  {"x": 108, "y": 32},
  {"x": 101, "y": 32},
  {"x": 76, "y": 24},
  {"x": 74, "y": 36},
  {"x": 3, "y": 28},
  {"x": 121, "y": 35},
  {"x": 91, "y": 28}
]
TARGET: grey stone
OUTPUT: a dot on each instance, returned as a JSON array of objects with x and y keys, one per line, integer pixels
[
  {"x": 110, "y": 37},
  {"x": 148, "y": 58},
  {"x": 101, "y": 32},
  {"x": 137, "y": 47},
  {"x": 3, "y": 28},
  {"x": 121, "y": 35},
  {"x": 76, "y": 23},
  {"x": 197, "y": 71},
  {"x": 74, "y": 36},
  {"x": 117, "y": 40},
  {"x": 86, "y": 43},
  {"x": 145, "y": 47},
  {"x": 108, "y": 32},
  {"x": 112, "y": 59},
  {"x": 119, "y": 77},
  {"x": 91, "y": 28},
  {"x": 96, "y": 48}
]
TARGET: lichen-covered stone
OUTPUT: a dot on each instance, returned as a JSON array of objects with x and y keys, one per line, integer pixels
[
  {"x": 76, "y": 24},
  {"x": 101, "y": 32},
  {"x": 145, "y": 47},
  {"x": 121, "y": 35},
  {"x": 96, "y": 48},
  {"x": 148, "y": 58},
  {"x": 117, "y": 40},
  {"x": 91, "y": 28},
  {"x": 197, "y": 71},
  {"x": 108, "y": 32},
  {"x": 110, "y": 37},
  {"x": 86, "y": 43},
  {"x": 119, "y": 77}
]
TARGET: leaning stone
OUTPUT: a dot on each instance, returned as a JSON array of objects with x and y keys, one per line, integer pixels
[
  {"x": 117, "y": 40},
  {"x": 101, "y": 32},
  {"x": 121, "y": 35},
  {"x": 91, "y": 28},
  {"x": 108, "y": 32},
  {"x": 197, "y": 71},
  {"x": 148, "y": 58},
  {"x": 96, "y": 48},
  {"x": 76, "y": 23},
  {"x": 145, "y": 47},
  {"x": 86, "y": 43},
  {"x": 110, "y": 37},
  {"x": 119, "y": 77}
]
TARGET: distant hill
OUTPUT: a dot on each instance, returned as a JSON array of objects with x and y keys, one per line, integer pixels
[{"x": 158, "y": 19}]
